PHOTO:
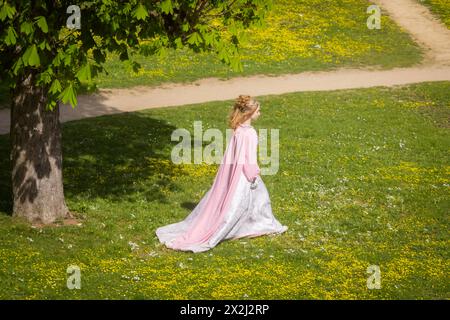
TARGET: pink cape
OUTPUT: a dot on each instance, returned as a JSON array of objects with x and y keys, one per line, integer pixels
[{"x": 239, "y": 157}]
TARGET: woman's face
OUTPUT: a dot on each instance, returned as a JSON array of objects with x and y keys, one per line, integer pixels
[{"x": 257, "y": 112}]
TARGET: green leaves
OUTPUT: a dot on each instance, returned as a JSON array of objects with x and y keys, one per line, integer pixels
[
  {"x": 236, "y": 64},
  {"x": 27, "y": 27},
  {"x": 34, "y": 57},
  {"x": 31, "y": 56},
  {"x": 11, "y": 36},
  {"x": 209, "y": 37},
  {"x": 84, "y": 73},
  {"x": 55, "y": 87},
  {"x": 140, "y": 12},
  {"x": 17, "y": 66},
  {"x": 179, "y": 43},
  {"x": 45, "y": 77},
  {"x": 70, "y": 53},
  {"x": 194, "y": 38},
  {"x": 42, "y": 23},
  {"x": 69, "y": 95},
  {"x": 7, "y": 11},
  {"x": 166, "y": 6},
  {"x": 46, "y": 45}
]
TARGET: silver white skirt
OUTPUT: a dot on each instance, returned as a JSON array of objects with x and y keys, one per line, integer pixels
[{"x": 249, "y": 215}]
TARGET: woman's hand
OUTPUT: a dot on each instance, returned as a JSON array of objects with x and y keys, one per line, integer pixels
[{"x": 254, "y": 184}]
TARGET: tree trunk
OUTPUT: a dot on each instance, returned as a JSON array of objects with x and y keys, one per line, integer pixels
[{"x": 36, "y": 155}]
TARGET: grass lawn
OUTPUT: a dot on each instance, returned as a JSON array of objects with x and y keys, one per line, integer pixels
[
  {"x": 363, "y": 180},
  {"x": 439, "y": 7},
  {"x": 299, "y": 36}
]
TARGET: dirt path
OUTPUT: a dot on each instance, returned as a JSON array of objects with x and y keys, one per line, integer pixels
[{"x": 429, "y": 32}]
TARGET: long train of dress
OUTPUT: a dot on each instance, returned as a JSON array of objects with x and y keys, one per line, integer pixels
[{"x": 249, "y": 215}]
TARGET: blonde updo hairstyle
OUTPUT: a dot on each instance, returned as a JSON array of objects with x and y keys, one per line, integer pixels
[{"x": 243, "y": 109}]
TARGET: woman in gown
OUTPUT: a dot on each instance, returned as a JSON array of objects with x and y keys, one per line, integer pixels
[{"x": 238, "y": 204}]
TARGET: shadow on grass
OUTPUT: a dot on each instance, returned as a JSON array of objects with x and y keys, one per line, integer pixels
[
  {"x": 189, "y": 205},
  {"x": 122, "y": 157},
  {"x": 5, "y": 175}
]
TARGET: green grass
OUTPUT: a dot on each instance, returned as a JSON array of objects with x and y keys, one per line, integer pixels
[
  {"x": 299, "y": 36},
  {"x": 363, "y": 180},
  {"x": 287, "y": 44},
  {"x": 439, "y": 7}
]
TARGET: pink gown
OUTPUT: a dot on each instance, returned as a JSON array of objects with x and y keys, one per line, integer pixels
[{"x": 231, "y": 208}]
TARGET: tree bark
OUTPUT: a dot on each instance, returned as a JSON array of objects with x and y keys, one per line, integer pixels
[{"x": 36, "y": 155}]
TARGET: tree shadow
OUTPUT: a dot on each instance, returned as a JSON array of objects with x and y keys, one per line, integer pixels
[
  {"x": 121, "y": 157},
  {"x": 5, "y": 175},
  {"x": 5, "y": 96}
]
